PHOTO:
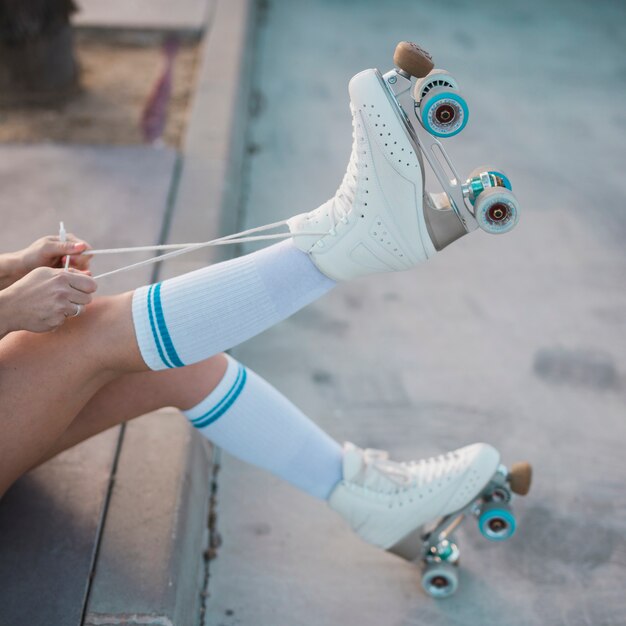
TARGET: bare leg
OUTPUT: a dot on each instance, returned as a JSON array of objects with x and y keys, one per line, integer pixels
[
  {"x": 46, "y": 379},
  {"x": 246, "y": 416},
  {"x": 132, "y": 395}
]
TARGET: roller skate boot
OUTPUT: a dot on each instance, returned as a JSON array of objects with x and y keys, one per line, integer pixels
[
  {"x": 385, "y": 501},
  {"x": 381, "y": 218},
  {"x": 412, "y": 509}
]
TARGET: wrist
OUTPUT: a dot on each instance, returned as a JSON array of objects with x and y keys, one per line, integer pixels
[
  {"x": 6, "y": 322},
  {"x": 11, "y": 268}
]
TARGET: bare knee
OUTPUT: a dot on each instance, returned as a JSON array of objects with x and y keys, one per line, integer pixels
[
  {"x": 101, "y": 338},
  {"x": 106, "y": 330},
  {"x": 187, "y": 386}
]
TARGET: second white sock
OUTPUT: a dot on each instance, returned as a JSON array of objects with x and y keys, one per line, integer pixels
[{"x": 253, "y": 421}]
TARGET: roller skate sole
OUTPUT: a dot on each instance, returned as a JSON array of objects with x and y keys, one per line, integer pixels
[
  {"x": 432, "y": 107},
  {"x": 434, "y": 548}
]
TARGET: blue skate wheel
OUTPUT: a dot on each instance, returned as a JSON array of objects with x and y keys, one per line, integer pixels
[
  {"x": 440, "y": 579},
  {"x": 496, "y": 210},
  {"x": 496, "y": 521},
  {"x": 444, "y": 112}
]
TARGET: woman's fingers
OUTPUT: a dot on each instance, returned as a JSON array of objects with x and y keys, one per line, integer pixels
[
  {"x": 79, "y": 261},
  {"x": 78, "y": 297},
  {"x": 51, "y": 251},
  {"x": 77, "y": 291},
  {"x": 45, "y": 297},
  {"x": 54, "y": 248},
  {"x": 80, "y": 281}
]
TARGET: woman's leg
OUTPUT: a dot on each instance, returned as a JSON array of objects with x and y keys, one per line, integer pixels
[
  {"x": 385, "y": 502},
  {"x": 135, "y": 394},
  {"x": 231, "y": 406},
  {"x": 46, "y": 379},
  {"x": 189, "y": 318}
]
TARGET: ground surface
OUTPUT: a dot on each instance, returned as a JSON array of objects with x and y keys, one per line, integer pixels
[
  {"x": 516, "y": 340},
  {"x": 116, "y": 84}
]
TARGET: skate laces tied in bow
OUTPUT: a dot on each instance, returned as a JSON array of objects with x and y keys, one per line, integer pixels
[{"x": 412, "y": 473}]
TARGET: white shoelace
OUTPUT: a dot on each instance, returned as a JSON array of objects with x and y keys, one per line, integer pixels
[
  {"x": 183, "y": 248},
  {"x": 343, "y": 201},
  {"x": 340, "y": 207},
  {"x": 412, "y": 473}
]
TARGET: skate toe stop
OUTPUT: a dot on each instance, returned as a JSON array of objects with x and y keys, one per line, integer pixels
[
  {"x": 412, "y": 59},
  {"x": 520, "y": 477}
]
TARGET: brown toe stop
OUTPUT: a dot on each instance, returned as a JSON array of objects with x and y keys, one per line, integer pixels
[
  {"x": 412, "y": 59},
  {"x": 520, "y": 477}
]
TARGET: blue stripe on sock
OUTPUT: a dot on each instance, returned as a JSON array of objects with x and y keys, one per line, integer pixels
[
  {"x": 225, "y": 403},
  {"x": 161, "y": 325},
  {"x": 155, "y": 336},
  {"x": 229, "y": 397}
]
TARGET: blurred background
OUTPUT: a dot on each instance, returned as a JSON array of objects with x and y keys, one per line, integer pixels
[{"x": 518, "y": 340}]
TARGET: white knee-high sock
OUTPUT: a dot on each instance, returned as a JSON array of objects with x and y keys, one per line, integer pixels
[
  {"x": 253, "y": 421},
  {"x": 194, "y": 316}
]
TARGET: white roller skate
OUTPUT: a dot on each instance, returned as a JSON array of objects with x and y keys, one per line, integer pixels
[
  {"x": 411, "y": 509},
  {"x": 381, "y": 219}
]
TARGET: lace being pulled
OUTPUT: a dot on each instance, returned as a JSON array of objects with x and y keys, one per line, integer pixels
[
  {"x": 340, "y": 206},
  {"x": 177, "y": 249}
]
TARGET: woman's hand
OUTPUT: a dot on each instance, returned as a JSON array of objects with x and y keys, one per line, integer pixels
[
  {"x": 44, "y": 299},
  {"x": 51, "y": 252}
]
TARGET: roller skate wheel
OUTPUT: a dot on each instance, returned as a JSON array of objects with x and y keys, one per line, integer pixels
[
  {"x": 412, "y": 59},
  {"x": 440, "y": 580},
  {"x": 520, "y": 477},
  {"x": 444, "y": 112},
  {"x": 435, "y": 78},
  {"x": 494, "y": 172},
  {"x": 496, "y": 521},
  {"x": 496, "y": 210}
]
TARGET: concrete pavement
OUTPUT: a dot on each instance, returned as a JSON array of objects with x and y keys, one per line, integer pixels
[{"x": 517, "y": 340}]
